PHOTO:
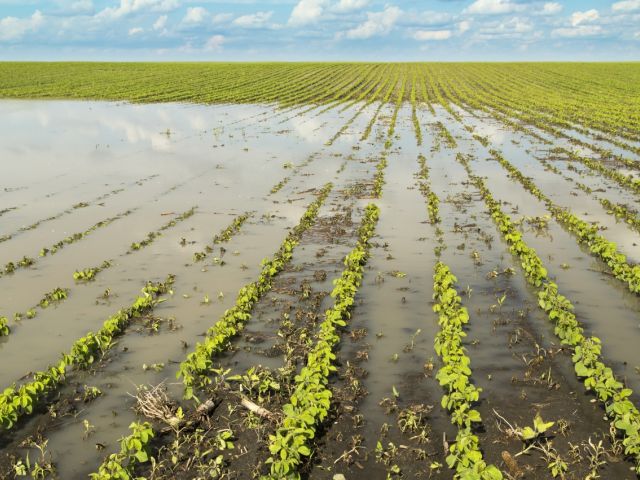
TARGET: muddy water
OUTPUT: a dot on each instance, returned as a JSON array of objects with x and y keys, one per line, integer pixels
[
  {"x": 224, "y": 160},
  {"x": 602, "y": 303},
  {"x": 522, "y": 151},
  {"x": 223, "y": 174}
]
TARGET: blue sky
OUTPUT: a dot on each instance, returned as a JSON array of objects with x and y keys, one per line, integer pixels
[{"x": 247, "y": 30}]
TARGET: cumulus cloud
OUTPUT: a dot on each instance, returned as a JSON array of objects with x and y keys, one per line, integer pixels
[
  {"x": 350, "y": 5},
  {"x": 82, "y": 6},
  {"x": 579, "y": 31},
  {"x": 135, "y": 31},
  {"x": 214, "y": 44},
  {"x": 307, "y": 11},
  {"x": 626, "y": 6},
  {"x": 493, "y": 7},
  {"x": 195, "y": 15},
  {"x": 581, "y": 17},
  {"x": 551, "y": 8},
  {"x": 160, "y": 23},
  {"x": 425, "y": 18},
  {"x": 464, "y": 25},
  {"x": 131, "y": 6},
  {"x": 221, "y": 18},
  {"x": 512, "y": 28},
  {"x": 377, "y": 23},
  {"x": 13, "y": 28},
  {"x": 423, "y": 35},
  {"x": 254, "y": 20}
]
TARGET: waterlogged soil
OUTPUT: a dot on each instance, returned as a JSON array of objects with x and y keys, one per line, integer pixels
[{"x": 74, "y": 164}]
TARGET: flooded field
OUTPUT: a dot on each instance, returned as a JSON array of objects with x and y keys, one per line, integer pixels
[{"x": 182, "y": 259}]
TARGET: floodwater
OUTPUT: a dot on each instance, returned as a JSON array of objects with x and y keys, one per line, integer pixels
[{"x": 139, "y": 166}]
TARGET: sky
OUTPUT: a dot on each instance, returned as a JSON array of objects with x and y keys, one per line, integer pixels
[{"x": 319, "y": 30}]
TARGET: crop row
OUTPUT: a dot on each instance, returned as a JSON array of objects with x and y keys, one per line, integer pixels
[
  {"x": 134, "y": 449},
  {"x": 433, "y": 203},
  {"x": 627, "y": 181},
  {"x": 198, "y": 364},
  {"x": 587, "y": 359},
  {"x": 151, "y": 236},
  {"x": 465, "y": 455},
  {"x": 25, "y": 261},
  {"x": 619, "y": 210},
  {"x": 585, "y": 233},
  {"x": 55, "y": 296},
  {"x": 378, "y": 179},
  {"x": 73, "y": 208},
  {"x": 16, "y": 402},
  {"x": 482, "y": 96},
  {"x": 224, "y": 236},
  {"x": 591, "y": 99},
  {"x": 310, "y": 401},
  {"x": 59, "y": 294}
]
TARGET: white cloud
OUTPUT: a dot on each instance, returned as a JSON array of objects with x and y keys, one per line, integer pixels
[
  {"x": 377, "y": 23},
  {"x": 551, "y": 8},
  {"x": 579, "y": 31},
  {"x": 82, "y": 6},
  {"x": 432, "y": 35},
  {"x": 626, "y": 6},
  {"x": 131, "y": 6},
  {"x": 637, "y": 35},
  {"x": 254, "y": 20},
  {"x": 350, "y": 5},
  {"x": 307, "y": 11},
  {"x": 493, "y": 7},
  {"x": 135, "y": 30},
  {"x": 512, "y": 28},
  {"x": 221, "y": 18},
  {"x": 195, "y": 15},
  {"x": 425, "y": 18},
  {"x": 464, "y": 25},
  {"x": 13, "y": 28},
  {"x": 160, "y": 23},
  {"x": 580, "y": 17},
  {"x": 214, "y": 44}
]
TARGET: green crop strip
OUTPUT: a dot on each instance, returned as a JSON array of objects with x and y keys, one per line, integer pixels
[
  {"x": 134, "y": 450},
  {"x": 378, "y": 179},
  {"x": 627, "y": 181},
  {"x": 54, "y": 297},
  {"x": 90, "y": 273},
  {"x": 223, "y": 236},
  {"x": 7, "y": 210},
  {"x": 16, "y": 402},
  {"x": 383, "y": 102},
  {"x": 58, "y": 295},
  {"x": 310, "y": 402},
  {"x": 414, "y": 113},
  {"x": 80, "y": 235},
  {"x": 278, "y": 186},
  {"x": 72, "y": 209},
  {"x": 587, "y": 356},
  {"x": 464, "y": 455},
  {"x": 26, "y": 262},
  {"x": 198, "y": 364},
  {"x": 151, "y": 236},
  {"x": 449, "y": 141},
  {"x": 597, "y": 100},
  {"x": 4, "y": 328},
  {"x": 433, "y": 202},
  {"x": 584, "y": 232},
  {"x": 618, "y": 210}
]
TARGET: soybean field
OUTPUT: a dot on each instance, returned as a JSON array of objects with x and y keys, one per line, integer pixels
[{"x": 320, "y": 271}]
